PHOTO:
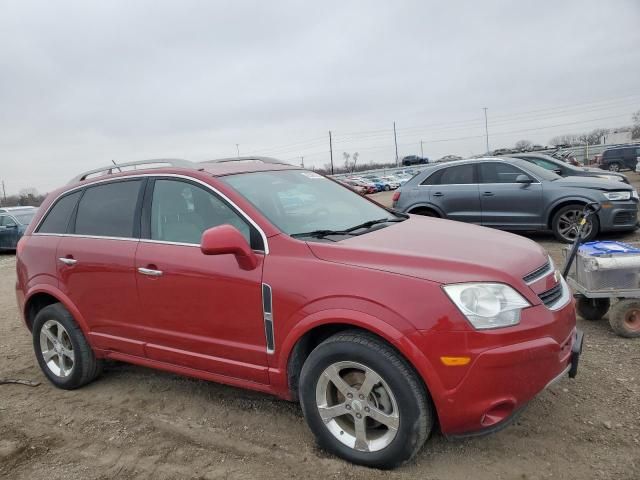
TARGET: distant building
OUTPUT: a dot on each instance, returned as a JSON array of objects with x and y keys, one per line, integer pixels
[{"x": 614, "y": 137}]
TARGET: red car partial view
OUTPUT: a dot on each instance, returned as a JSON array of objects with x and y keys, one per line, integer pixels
[{"x": 261, "y": 275}]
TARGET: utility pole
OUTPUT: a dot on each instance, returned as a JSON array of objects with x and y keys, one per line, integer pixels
[
  {"x": 331, "y": 151},
  {"x": 421, "y": 150},
  {"x": 486, "y": 128},
  {"x": 238, "y": 149},
  {"x": 395, "y": 140},
  {"x": 4, "y": 192},
  {"x": 302, "y": 162}
]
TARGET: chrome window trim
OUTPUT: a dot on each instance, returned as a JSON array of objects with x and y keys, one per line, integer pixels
[{"x": 148, "y": 175}]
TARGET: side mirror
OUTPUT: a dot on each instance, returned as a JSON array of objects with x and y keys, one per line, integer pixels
[
  {"x": 523, "y": 179},
  {"x": 225, "y": 240}
]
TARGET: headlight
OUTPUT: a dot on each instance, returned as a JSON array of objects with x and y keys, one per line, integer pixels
[
  {"x": 487, "y": 305},
  {"x": 617, "y": 195}
]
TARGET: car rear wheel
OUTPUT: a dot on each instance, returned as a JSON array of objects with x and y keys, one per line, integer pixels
[
  {"x": 363, "y": 401},
  {"x": 62, "y": 352},
  {"x": 614, "y": 167},
  {"x": 565, "y": 224}
]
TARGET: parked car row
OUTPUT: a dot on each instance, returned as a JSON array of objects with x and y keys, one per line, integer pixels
[
  {"x": 13, "y": 223},
  {"x": 518, "y": 194},
  {"x": 371, "y": 183}
]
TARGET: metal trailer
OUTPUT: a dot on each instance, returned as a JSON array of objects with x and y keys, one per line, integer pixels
[{"x": 605, "y": 277}]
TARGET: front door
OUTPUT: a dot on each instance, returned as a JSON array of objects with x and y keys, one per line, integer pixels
[
  {"x": 505, "y": 203},
  {"x": 199, "y": 311}
]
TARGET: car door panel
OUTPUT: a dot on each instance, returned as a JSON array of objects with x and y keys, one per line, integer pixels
[
  {"x": 101, "y": 284},
  {"x": 202, "y": 311},
  {"x": 458, "y": 202}
]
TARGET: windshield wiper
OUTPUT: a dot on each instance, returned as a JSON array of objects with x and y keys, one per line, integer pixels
[{"x": 347, "y": 231}]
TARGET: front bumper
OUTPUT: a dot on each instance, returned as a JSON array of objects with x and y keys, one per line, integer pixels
[
  {"x": 616, "y": 216},
  {"x": 502, "y": 377}
]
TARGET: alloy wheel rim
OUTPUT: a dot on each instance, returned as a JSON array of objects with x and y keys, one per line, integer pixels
[
  {"x": 632, "y": 320},
  {"x": 357, "y": 406},
  {"x": 568, "y": 225},
  {"x": 57, "y": 349}
]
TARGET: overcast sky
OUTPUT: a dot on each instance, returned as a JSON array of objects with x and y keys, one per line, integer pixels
[{"x": 82, "y": 83}]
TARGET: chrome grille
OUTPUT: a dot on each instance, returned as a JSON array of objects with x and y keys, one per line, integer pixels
[
  {"x": 551, "y": 296},
  {"x": 538, "y": 273}
]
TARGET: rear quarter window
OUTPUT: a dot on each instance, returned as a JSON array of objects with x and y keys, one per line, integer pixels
[{"x": 57, "y": 219}]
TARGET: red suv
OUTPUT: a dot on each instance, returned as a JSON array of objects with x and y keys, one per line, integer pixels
[{"x": 265, "y": 276}]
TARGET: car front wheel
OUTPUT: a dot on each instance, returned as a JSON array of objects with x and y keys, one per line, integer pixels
[
  {"x": 565, "y": 224},
  {"x": 614, "y": 167},
  {"x": 363, "y": 401}
]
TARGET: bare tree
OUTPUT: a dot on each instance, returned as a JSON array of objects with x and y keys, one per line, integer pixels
[
  {"x": 355, "y": 160},
  {"x": 523, "y": 144},
  {"x": 346, "y": 157}
]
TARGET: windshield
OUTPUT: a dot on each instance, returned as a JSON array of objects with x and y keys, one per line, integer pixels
[
  {"x": 541, "y": 173},
  {"x": 299, "y": 201},
  {"x": 24, "y": 218}
]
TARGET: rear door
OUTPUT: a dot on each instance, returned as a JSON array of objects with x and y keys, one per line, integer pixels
[
  {"x": 455, "y": 191},
  {"x": 505, "y": 203},
  {"x": 96, "y": 263},
  {"x": 4, "y": 233}
]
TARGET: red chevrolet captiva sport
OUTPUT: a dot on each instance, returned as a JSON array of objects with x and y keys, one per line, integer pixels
[{"x": 262, "y": 275}]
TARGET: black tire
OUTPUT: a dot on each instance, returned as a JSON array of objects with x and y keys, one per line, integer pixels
[
  {"x": 426, "y": 212},
  {"x": 85, "y": 367},
  {"x": 624, "y": 318},
  {"x": 414, "y": 406},
  {"x": 592, "y": 309},
  {"x": 614, "y": 167},
  {"x": 557, "y": 222},
  {"x": 387, "y": 188}
]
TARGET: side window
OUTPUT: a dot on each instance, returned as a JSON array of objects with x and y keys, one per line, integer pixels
[
  {"x": 182, "y": 211},
  {"x": 545, "y": 164},
  {"x": 58, "y": 217},
  {"x": 459, "y": 175},
  {"x": 109, "y": 210},
  {"x": 499, "y": 173},
  {"x": 2, "y": 220},
  {"x": 9, "y": 221}
]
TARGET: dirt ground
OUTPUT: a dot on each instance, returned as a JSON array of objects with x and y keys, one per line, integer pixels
[{"x": 140, "y": 423}]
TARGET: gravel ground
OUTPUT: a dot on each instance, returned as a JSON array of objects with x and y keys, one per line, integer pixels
[{"x": 139, "y": 423}]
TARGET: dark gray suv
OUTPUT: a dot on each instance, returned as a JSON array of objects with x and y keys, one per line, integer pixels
[{"x": 517, "y": 195}]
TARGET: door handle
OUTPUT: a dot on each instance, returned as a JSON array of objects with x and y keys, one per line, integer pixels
[
  {"x": 488, "y": 194},
  {"x": 150, "y": 272},
  {"x": 68, "y": 261},
  {"x": 438, "y": 194}
]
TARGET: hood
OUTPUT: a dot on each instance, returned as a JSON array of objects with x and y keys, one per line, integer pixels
[
  {"x": 591, "y": 182},
  {"x": 438, "y": 250}
]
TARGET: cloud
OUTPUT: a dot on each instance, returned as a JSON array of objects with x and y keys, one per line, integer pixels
[{"x": 82, "y": 83}]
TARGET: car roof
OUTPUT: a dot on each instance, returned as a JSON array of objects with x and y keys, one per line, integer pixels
[
  {"x": 535, "y": 155},
  {"x": 437, "y": 166}
]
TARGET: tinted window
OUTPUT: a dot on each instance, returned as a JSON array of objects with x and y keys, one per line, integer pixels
[
  {"x": 499, "y": 173},
  {"x": 108, "y": 210},
  {"x": 58, "y": 217},
  {"x": 24, "y": 218},
  {"x": 458, "y": 175},
  {"x": 2, "y": 220},
  {"x": 546, "y": 164},
  {"x": 182, "y": 211}
]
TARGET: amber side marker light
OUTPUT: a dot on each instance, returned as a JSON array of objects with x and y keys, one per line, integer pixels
[{"x": 455, "y": 361}]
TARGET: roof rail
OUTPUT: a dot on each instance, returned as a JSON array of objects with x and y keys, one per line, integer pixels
[
  {"x": 244, "y": 159},
  {"x": 117, "y": 168}
]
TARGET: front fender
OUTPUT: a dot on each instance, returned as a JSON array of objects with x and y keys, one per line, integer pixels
[
  {"x": 398, "y": 338},
  {"x": 565, "y": 200}
]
